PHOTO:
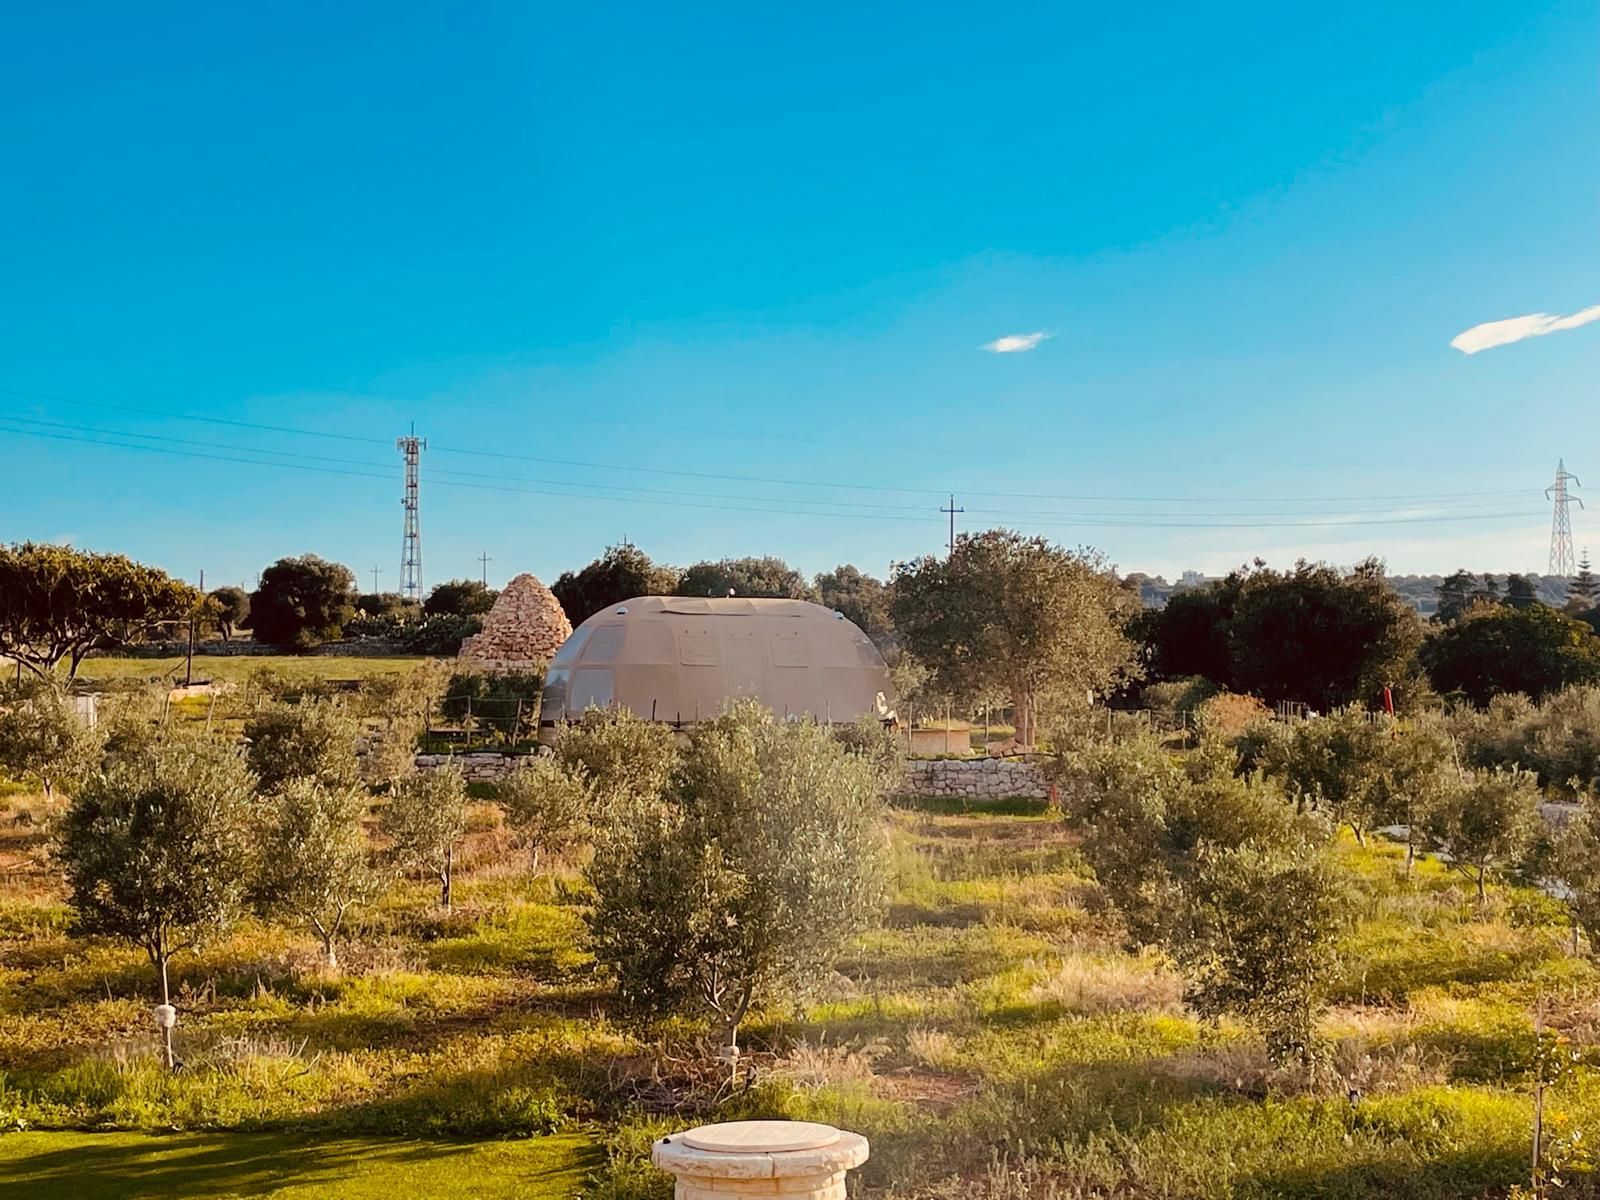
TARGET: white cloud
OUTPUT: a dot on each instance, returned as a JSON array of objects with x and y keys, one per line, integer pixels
[
  {"x": 1015, "y": 343},
  {"x": 1503, "y": 333}
]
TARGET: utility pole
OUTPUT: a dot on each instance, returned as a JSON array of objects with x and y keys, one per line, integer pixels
[
  {"x": 952, "y": 510},
  {"x": 484, "y": 560},
  {"x": 188, "y": 669},
  {"x": 376, "y": 571},
  {"x": 411, "y": 447},
  {"x": 1562, "y": 562}
]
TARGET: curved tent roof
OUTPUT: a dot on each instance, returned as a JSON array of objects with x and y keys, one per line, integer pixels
[{"x": 682, "y": 659}]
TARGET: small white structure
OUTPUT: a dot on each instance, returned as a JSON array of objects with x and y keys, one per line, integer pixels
[{"x": 798, "y": 1160}]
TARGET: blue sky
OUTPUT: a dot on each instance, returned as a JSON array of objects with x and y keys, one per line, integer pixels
[{"x": 741, "y": 264}]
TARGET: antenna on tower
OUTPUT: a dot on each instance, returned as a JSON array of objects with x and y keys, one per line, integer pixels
[
  {"x": 411, "y": 447},
  {"x": 1562, "y": 562}
]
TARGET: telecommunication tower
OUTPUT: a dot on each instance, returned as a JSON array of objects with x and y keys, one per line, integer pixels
[
  {"x": 1562, "y": 562},
  {"x": 411, "y": 447}
]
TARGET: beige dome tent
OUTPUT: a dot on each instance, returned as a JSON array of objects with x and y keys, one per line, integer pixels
[{"x": 682, "y": 659}]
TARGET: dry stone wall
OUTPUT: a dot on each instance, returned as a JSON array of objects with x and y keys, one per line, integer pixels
[
  {"x": 976, "y": 778},
  {"x": 522, "y": 632}
]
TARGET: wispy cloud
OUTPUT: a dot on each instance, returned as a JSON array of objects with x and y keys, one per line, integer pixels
[
  {"x": 1015, "y": 343},
  {"x": 1503, "y": 333}
]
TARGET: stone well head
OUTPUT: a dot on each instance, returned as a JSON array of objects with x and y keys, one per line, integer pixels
[{"x": 796, "y": 1160}]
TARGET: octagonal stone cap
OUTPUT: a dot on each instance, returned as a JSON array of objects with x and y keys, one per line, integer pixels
[{"x": 768, "y": 1149}]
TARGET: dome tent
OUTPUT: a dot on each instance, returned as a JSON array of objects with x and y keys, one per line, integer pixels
[{"x": 680, "y": 660}]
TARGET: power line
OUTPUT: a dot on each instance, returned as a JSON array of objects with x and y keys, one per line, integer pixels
[
  {"x": 1086, "y": 520},
  {"x": 807, "y": 483}
]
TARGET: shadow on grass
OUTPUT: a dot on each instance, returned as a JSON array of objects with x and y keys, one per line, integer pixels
[{"x": 55, "y": 1166}]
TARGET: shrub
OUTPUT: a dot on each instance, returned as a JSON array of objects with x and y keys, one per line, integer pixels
[
  {"x": 624, "y": 756},
  {"x": 1220, "y": 871},
  {"x": 42, "y": 738},
  {"x": 872, "y": 740},
  {"x": 747, "y": 878},
  {"x": 425, "y": 818},
  {"x": 1259, "y": 939},
  {"x": 313, "y": 739},
  {"x": 1228, "y": 714},
  {"x": 440, "y": 634},
  {"x": 401, "y": 705}
]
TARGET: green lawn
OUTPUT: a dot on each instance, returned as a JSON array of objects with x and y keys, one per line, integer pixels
[{"x": 115, "y": 1166}]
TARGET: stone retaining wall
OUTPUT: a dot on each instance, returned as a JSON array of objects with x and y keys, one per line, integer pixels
[
  {"x": 976, "y": 778},
  {"x": 479, "y": 766}
]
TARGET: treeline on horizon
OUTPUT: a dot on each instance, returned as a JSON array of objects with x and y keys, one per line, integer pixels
[{"x": 1312, "y": 634}]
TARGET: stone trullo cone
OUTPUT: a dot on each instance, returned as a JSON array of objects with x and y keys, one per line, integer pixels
[{"x": 523, "y": 630}]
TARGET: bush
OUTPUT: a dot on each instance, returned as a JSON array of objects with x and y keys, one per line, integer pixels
[
  {"x": 401, "y": 705},
  {"x": 624, "y": 757},
  {"x": 745, "y": 881},
  {"x": 314, "y": 739},
  {"x": 1486, "y": 822},
  {"x": 1219, "y": 870},
  {"x": 872, "y": 740},
  {"x": 1559, "y": 739},
  {"x": 440, "y": 635},
  {"x": 1228, "y": 714}
]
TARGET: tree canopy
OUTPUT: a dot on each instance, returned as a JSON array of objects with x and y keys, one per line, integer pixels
[
  {"x": 460, "y": 598},
  {"x": 769, "y": 577},
  {"x": 1007, "y": 614},
  {"x": 621, "y": 573},
  {"x": 302, "y": 601},
  {"x": 230, "y": 608},
  {"x": 1493, "y": 649},
  {"x": 1311, "y": 634},
  {"x": 60, "y": 603},
  {"x": 863, "y": 600}
]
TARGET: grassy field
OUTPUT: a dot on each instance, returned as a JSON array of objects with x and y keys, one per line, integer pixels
[
  {"x": 992, "y": 1039},
  {"x": 115, "y": 1166},
  {"x": 237, "y": 668}
]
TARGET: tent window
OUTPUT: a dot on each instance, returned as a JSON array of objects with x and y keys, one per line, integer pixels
[
  {"x": 697, "y": 648},
  {"x": 571, "y": 647},
  {"x": 604, "y": 643},
  {"x": 789, "y": 649},
  {"x": 589, "y": 688}
]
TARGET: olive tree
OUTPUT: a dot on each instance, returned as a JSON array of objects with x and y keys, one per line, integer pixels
[
  {"x": 425, "y": 819},
  {"x": 1577, "y": 865},
  {"x": 156, "y": 848},
  {"x": 1018, "y": 615},
  {"x": 551, "y": 806},
  {"x": 1219, "y": 870},
  {"x": 43, "y": 740},
  {"x": 622, "y": 755},
  {"x": 744, "y": 881},
  {"x": 1486, "y": 822},
  {"x": 230, "y": 608},
  {"x": 313, "y": 858},
  {"x": 1335, "y": 764},
  {"x": 1260, "y": 938},
  {"x": 311, "y": 739}
]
